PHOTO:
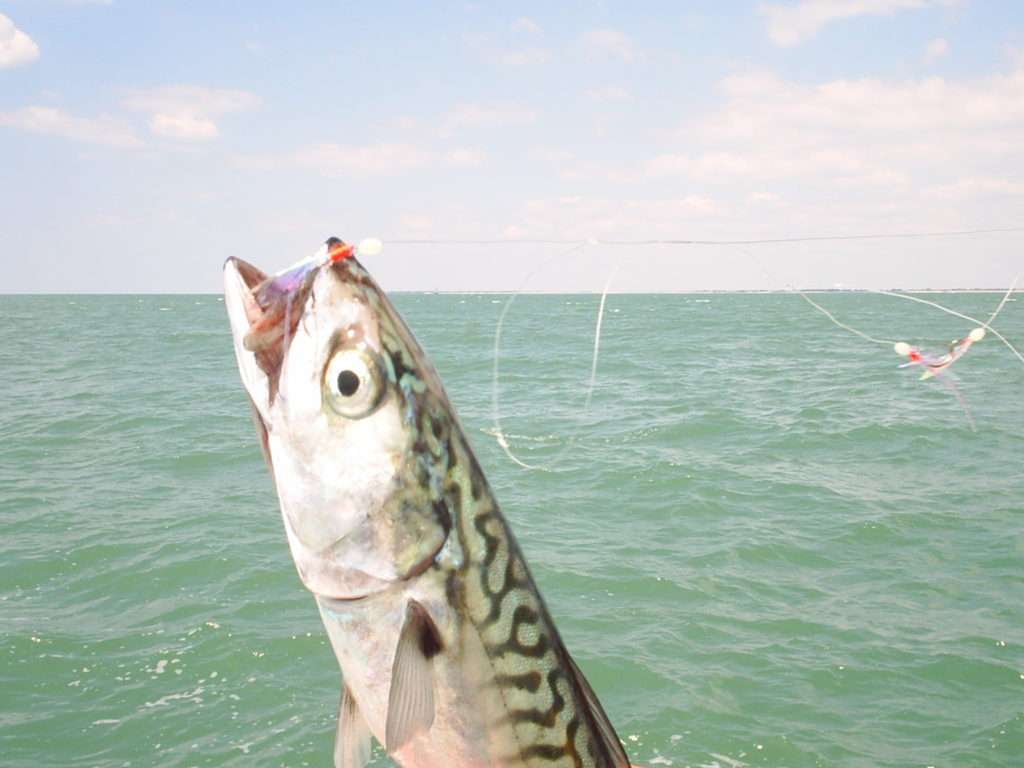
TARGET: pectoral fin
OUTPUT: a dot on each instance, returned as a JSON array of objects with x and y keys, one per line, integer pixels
[
  {"x": 602, "y": 725},
  {"x": 411, "y": 698},
  {"x": 352, "y": 739}
]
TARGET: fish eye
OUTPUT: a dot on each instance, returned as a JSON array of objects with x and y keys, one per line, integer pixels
[
  {"x": 348, "y": 383},
  {"x": 353, "y": 385}
]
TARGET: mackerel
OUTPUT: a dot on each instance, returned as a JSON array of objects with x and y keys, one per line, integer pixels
[{"x": 448, "y": 653}]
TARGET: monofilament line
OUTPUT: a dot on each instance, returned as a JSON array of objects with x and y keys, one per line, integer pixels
[
  {"x": 681, "y": 241},
  {"x": 948, "y": 384},
  {"x": 496, "y": 371},
  {"x": 1006, "y": 297},
  {"x": 597, "y": 338},
  {"x": 844, "y": 326},
  {"x": 953, "y": 312}
]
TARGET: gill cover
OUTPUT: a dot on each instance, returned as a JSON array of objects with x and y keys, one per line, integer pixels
[{"x": 355, "y": 420}]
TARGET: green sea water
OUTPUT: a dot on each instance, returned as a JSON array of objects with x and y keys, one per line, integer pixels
[{"x": 765, "y": 544}]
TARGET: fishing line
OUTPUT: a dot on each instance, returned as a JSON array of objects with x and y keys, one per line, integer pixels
[
  {"x": 986, "y": 325},
  {"x": 597, "y": 337},
  {"x": 499, "y": 433},
  {"x": 1006, "y": 297},
  {"x": 818, "y": 306},
  {"x": 891, "y": 342},
  {"x": 915, "y": 356},
  {"x": 844, "y": 326},
  {"x": 904, "y": 348},
  {"x": 948, "y": 384},
  {"x": 953, "y": 312},
  {"x": 578, "y": 244},
  {"x": 679, "y": 241}
]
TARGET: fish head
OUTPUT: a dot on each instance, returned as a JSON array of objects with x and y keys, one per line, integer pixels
[{"x": 353, "y": 419}]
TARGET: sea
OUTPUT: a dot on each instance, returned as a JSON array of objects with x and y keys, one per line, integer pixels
[{"x": 764, "y": 542}]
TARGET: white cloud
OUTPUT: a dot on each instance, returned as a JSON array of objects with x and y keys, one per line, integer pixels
[
  {"x": 577, "y": 217},
  {"x": 840, "y": 155},
  {"x": 333, "y": 159},
  {"x": 382, "y": 159},
  {"x": 415, "y": 224},
  {"x": 296, "y": 222},
  {"x": 669, "y": 164},
  {"x": 188, "y": 112},
  {"x": 518, "y": 55},
  {"x": 917, "y": 108},
  {"x": 790, "y": 25},
  {"x": 464, "y": 158},
  {"x": 873, "y": 176},
  {"x": 856, "y": 154},
  {"x": 763, "y": 198},
  {"x": 16, "y": 48},
  {"x": 524, "y": 57},
  {"x": 768, "y": 163},
  {"x": 569, "y": 168},
  {"x": 526, "y": 24},
  {"x": 973, "y": 188},
  {"x": 514, "y": 232},
  {"x": 497, "y": 114},
  {"x": 936, "y": 49},
  {"x": 609, "y": 94},
  {"x": 609, "y": 43},
  {"x": 183, "y": 125},
  {"x": 55, "y": 122}
]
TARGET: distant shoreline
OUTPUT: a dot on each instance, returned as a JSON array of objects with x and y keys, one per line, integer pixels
[{"x": 709, "y": 291}]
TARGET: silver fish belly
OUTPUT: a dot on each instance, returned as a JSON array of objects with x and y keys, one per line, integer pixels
[{"x": 448, "y": 654}]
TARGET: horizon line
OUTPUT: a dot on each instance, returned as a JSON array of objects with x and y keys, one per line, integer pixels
[{"x": 545, "y": 293}]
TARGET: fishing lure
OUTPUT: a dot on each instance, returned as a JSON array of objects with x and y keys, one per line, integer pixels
[
  {"x": 287, "y": 280},
  {"x": 270, "y": 311},
  {"x": 269, "y": 305},
  {"x": 936, "y": 364}
]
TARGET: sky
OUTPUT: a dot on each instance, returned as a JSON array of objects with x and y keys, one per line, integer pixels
[{"x": 142, "y": 143}]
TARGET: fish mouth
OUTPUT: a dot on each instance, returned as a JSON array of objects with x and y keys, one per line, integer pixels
[
  {"x": 268, "y": 308},
  {"x": 249, "y": 275},
  {"x": 240, "y": 282},
  {"x": 263, "y": 318},
  {"x": 267, "y": 301},
  {"x": 264, "y": 311}
]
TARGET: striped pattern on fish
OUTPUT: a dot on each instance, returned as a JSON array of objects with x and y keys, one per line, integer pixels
[{"x": 448, "y": 653}]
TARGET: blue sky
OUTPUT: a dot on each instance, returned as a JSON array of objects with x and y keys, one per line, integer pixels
[{"x": 143, "y": 142}]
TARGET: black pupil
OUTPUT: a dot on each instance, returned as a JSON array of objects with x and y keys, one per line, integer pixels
[{"x": 348, "y": 383}]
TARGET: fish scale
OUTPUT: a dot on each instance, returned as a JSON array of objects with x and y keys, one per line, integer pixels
[
  {"x": 448, "y": 652},
  {"x": 499, "y": 598}
]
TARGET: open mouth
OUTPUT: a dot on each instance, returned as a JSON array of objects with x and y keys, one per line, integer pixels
[
  {"x": 269, "y": 304},
  {"x": 273, "y": 305},
  {"x": 251, "y": 276},
  {"x": 271, "y": 316}
]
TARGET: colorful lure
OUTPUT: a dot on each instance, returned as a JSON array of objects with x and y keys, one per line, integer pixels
[
  {"x": 286, "y": 281},
  {"x": 269, "y": 305},
  {"x": 935, "y": 364}
]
